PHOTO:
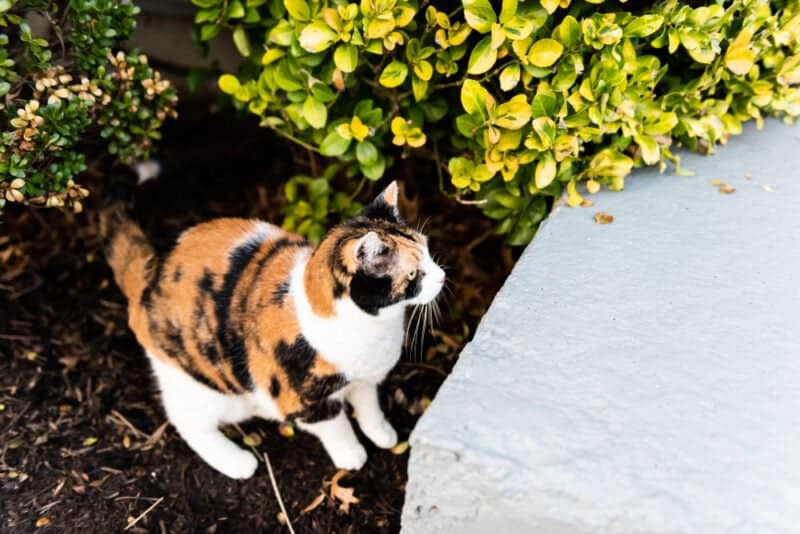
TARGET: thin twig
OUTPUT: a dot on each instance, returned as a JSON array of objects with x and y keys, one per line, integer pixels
[
  {"x": 277, "y": 492},
  {"x": 272, "y": 479},
  {"x": 144, "y": 513}
]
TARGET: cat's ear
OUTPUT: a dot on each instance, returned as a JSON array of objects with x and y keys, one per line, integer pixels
[
  {"x": 384, "y": 206},
  {"x": 368, "y": 250}
]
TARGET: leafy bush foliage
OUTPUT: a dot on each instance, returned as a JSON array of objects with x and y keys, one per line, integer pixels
[
  {"x": 524, "y": 101},
  {"x": 59, "y": 94}
]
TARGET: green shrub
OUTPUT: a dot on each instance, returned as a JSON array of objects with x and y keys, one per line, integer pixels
[
  {"x": 524, "y": 101},
  {"x": 61, "y": 94}
]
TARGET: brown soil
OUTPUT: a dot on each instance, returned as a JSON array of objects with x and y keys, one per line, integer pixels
[{"x": 84, "y": 444}]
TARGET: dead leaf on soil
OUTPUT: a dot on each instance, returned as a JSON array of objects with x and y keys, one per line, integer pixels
[
  {"x": 727, "y": 189},
  {"x": 252, "y": 440},
  {"x": 42, "y": 522},
  {"x": 602, "y": 217},
  {"x": 286, "y": 429},
  {"x": 342, "y": 493},
  {"x": 314, "y": 504},
  {"x": 400, "y": 448},
  {"x": 587, "y": 203}
]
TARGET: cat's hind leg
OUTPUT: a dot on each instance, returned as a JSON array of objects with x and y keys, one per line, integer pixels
[{"x": 196, "y": 412}]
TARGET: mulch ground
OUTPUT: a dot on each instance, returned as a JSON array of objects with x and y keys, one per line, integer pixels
[{"x": 84, "y": 444}]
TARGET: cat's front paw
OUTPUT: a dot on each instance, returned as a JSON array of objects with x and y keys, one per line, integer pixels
[
  {"x": 382, "y": 435},
  {"x": 351, "y": 458},
  {"x": 239, "y": 466}
]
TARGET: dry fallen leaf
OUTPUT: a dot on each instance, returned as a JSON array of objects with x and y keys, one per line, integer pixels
[
  {"x": 602, "y": 217},
  {"x": 400, "y": 448},
  {"x": 341, "y": 493},
  {"x": 126, "y": 441},
  {"x": 252, "y": 440},
  {"x": 314, "y": 504},
  {"x": 286, "y": 429},
  {"x": 727, "y": 189},
  {"x": 69, "y": 362},
  {"x": 717, "y": 182},
  {"x": 42, "y": 521},
  {"x": 587, "y": 203}
]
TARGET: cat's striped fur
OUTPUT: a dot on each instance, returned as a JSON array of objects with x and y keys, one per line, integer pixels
[{"x": 244, "y": 319}]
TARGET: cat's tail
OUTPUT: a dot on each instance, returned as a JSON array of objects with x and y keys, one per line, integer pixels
[{"x": 128, "y": 251}]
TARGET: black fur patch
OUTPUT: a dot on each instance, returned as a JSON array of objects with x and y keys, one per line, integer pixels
[
  {"x": 230, "y": 336},
  {"x": 414, "y": 287},
  {"x": 338, "y": 288},
  {"x": 379, "y": 209},
  {"x": 322, "y": 411},
  {"x": 280, "y": 292},
  {"x": 154, "y": 282},
  {"x": 371, "y": 293},
  {"x": 274, "y": 387},
  {"x": 279, "y": 245},
  {"x": 296, "y": 359},
  {"x": 206, "y": 283}
]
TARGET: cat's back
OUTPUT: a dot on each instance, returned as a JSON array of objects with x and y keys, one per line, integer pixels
[{"x": 217, "y": 273}]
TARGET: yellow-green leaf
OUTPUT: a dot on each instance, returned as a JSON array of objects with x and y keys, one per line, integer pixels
[
  {"x": 419, "y": 87},
  {"x": 315, "y": 112},
  {"x": 513, "y": 114},
  {"x": 272, "y": 55},
  {"x": 550, "y": 5},
  {"x": 317, "y": 37},
  {"x": 241, "y": 41},
  {"x": 507, "y": 10},
  {"x": 346, "y": 57},
  {"x": 423, "y": 70},
  {"x": 394, "y": 74},
  {"x": 509, "y": 76},
  {"x": 298, "y": 9},
  {"x": 482, "y": 57},
  {"x": 228, "y": 83},
  {"x": 573, "y": 197},
  {"x": 651, "y": 153},
  {"x": 545, "y": 171},
  {"x": 739, "y": 60},
  {"x": 545, "y": 52},
  {"x": 474, "y": 97},
  {"x": 643, "y": 26},
  {"x": 334, "y": 145},
  {"x": 479, "y": 15}
]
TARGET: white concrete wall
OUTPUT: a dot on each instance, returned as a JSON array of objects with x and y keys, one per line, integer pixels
[{"x": 642, "y": 376}]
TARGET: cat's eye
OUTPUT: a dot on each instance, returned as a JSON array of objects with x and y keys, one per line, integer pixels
[{"x": 412, "y": 275}]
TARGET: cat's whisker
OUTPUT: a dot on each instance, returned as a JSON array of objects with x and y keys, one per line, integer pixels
[{"x": 411, "y": 315}]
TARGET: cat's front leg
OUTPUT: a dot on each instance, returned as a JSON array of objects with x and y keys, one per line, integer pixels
[
  {"x": 363, "y": 397},
  {"x": 339, "y": 440}
]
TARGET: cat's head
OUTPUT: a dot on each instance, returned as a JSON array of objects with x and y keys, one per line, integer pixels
[{"x": 383, "y": 262}]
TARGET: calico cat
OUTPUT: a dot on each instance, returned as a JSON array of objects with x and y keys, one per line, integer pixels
[{"x": 244, "y": 319}]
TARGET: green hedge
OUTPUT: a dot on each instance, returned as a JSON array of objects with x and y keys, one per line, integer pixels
[
  {"x": 64, "y": 92},
  {"x": 516, "y": 101}
]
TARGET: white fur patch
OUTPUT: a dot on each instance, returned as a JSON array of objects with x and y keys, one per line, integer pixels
[{"x": 363, "y": 346}]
